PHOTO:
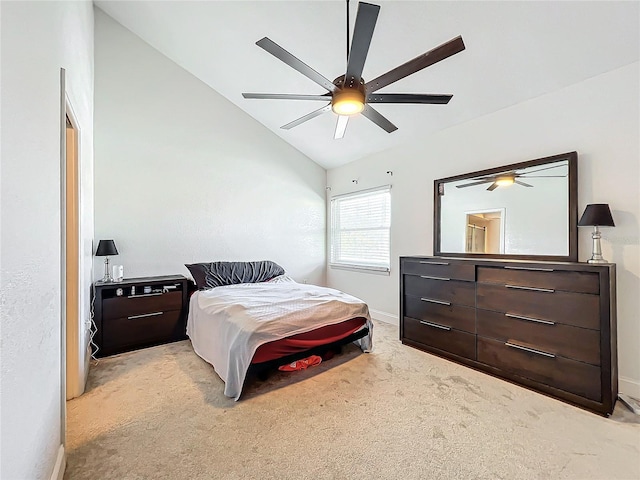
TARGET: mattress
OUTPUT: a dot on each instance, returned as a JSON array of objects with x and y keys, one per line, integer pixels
[
  {"x": 228, "y": 324},
  {"x": 305, "y": 341}
]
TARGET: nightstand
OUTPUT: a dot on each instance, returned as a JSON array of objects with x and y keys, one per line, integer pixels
[{"x": 139, "y": 312}]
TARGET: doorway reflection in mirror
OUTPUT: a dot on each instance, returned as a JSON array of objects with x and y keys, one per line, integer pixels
[{"x": 485, "y": 231}]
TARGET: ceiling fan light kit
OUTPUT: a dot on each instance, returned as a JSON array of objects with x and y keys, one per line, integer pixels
[
  {"x": 348, "y": 94},
  {"x": 348, "y": 101},
  {"x": 505, "y": 180}
]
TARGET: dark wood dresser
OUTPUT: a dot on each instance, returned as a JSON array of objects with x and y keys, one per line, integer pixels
[
  {"x": 548, "y": 326},
  {"x": 139, "y": 312}
]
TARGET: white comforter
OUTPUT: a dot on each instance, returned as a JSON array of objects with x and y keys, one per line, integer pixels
[{"x": 227, "y": 324}]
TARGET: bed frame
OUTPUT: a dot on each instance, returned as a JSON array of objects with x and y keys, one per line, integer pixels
[{"x": 262, "y": 369}]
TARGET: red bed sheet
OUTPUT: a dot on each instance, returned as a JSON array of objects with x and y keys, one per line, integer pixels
[{"x": 307, "y": 340}]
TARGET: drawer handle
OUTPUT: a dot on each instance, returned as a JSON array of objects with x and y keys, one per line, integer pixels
[
  {"x": 439, "y": 302},
  {"x": 144, "y": 315},
  {"x": 532, "y": 350},
  {"x": 434, "y": 278},
  {"x": 529, "y": 319},
  {"x": 145, "y": 295},
  {"x": 424, "y": 262},
  {"x": 532, "y": 269},
  {"x": 435, "y": 325},
  {"x": 535, "y": 289}
]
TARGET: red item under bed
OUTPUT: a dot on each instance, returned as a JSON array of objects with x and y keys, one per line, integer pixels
[{"x": 307, "y": 340}]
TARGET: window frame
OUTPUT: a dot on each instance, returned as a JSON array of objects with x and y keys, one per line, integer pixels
[{"x": 368, "y": 268}]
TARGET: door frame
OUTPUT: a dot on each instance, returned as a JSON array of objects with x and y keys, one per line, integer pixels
[
  {"x": 70, "y": 332},
  {"x": 503, "y": 214},
  {"x": 74, "y": 381},
  {"x": 63, "y": 258}
]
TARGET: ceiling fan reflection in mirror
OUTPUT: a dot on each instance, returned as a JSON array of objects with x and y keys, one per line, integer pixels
[
  {"x": 505, "y": 179},
  {"x": 349, "y": 94}
]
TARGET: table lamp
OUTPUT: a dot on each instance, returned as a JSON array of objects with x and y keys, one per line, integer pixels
[
  {"x": 106, "y": 248},
  {"x": 596, "y": 215}
]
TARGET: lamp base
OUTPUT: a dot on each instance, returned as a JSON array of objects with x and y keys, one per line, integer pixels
[
  {"x": 597, "y": 260},
  {"x": 596, "y": 256},
  {"x": 107, "y": 274}
]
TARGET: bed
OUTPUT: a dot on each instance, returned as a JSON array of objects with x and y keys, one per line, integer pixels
[{"x": 246, "y": 315}]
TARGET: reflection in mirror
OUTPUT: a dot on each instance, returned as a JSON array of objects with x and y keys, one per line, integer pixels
[
  {"x": 517, "y": 210},
  {"x": 485, "y": 232}
]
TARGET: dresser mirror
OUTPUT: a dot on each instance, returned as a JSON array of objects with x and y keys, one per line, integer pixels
[{"x": 525, "y": 210}]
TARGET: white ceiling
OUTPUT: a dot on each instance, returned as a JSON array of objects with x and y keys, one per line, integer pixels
[{"x": 514, "y": 51}]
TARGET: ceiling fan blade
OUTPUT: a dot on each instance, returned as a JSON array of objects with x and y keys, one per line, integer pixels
[
  {"x": 286, "y": 96},
  {"x": 308, "y": 116},
  {"x": 377, "y": 118},
  {"x": 277, "y": 51},
  {"x": 362, "y": 34},
  {"x": 435, "y": 55},
  {"x": 541, "y": 176},
  {"x": 538, "y": 170},
  {"x": 408, "y": 98},
  {"x": 341, "y": 126},
  {"x": 492, "y": 187},
  {"x": 475, "y": 183},
  {"x": 522, "y": 183}
]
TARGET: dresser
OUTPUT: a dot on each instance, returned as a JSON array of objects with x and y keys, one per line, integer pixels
[
  {"x": 139, "y": 312},
  {"x": 548, "y": 326}
]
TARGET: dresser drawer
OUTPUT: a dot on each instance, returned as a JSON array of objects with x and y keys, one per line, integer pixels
[
  {"x": 441, "y": 337},
  {"x": 576, "y": 309},
  {"x": 571, "y": 342},
  {"x": 455, "y": 316},
  {"x": 118, "y": 307},
  {"x": 441, "y": 268},
  {"x": 558, "y": 372},
  {"x": 447, "y": 291},
  {"x": 568, "y": 281},
  {"x": 119, "y": 333}
]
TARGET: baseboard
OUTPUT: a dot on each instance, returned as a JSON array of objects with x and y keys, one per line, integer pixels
[
  {"x": 384, "y": 317},
  {"x": 629, "y": 386},
  {"x": 61, "y": 463}
]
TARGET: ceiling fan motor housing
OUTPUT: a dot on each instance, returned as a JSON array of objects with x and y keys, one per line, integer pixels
[{"x": 348, "y": 99}]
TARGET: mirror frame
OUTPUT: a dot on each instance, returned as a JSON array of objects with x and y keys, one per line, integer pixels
[{"x": 572, "y": 213}]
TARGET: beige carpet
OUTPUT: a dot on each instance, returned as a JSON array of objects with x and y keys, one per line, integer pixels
[{"x": 396, "y": 413}]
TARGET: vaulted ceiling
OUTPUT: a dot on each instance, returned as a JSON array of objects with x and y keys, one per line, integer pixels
[{"x": 515, "y": 51}]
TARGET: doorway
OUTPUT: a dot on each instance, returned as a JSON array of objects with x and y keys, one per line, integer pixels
[
  {"x": 72, "y": 256},
  {"x": 72, "y": 381},
  {"x": 484, "y": 232}
]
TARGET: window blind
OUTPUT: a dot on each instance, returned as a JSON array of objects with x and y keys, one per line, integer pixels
[{"x": 360, "y": 224}]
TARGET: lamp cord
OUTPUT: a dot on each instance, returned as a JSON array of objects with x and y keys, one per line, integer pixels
[{"x": 93, "y": 329}]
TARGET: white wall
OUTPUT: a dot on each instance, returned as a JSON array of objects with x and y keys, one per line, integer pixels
[
  {"x": 598, "y": 118},
  {"x": 38, "y": 38},
  {"x": 182, "y": 175}
]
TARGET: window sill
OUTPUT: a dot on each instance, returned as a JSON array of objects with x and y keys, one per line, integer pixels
[{"x": 362, "y": 269}]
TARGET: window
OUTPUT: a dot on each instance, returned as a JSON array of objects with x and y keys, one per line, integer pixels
[{"x": 360, "y": 224}]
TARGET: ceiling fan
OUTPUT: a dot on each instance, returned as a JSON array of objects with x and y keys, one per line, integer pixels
[
  {"x": 349, "y": 94},
  {"x": 509, "y": 178}
]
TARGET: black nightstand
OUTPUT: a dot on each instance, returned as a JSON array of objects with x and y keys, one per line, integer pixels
[{"x": 139, "y": 312}]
